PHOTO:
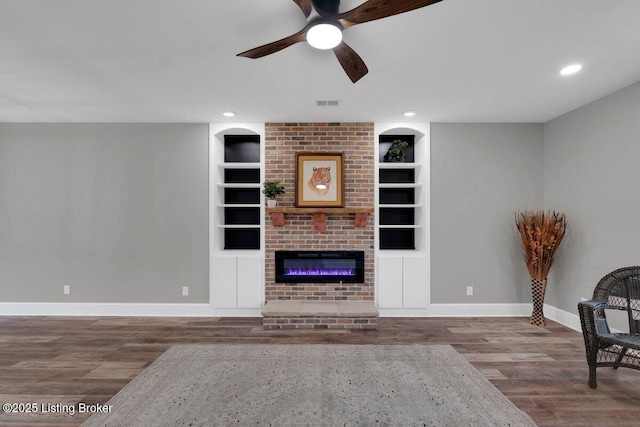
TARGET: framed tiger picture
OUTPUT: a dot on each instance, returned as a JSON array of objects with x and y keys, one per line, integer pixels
[{"x": 319, "y": 180}]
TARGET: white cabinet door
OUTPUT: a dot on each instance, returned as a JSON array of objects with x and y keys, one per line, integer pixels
[
  {"x": 390, "y": 282},
  {"x": 250, "y": 290},
  {"x": 415, "y": 282},
  {"x": 222, "y": 279}
]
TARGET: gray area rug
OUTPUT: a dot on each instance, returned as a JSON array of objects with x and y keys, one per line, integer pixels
[{"x": 311, "y": 385}]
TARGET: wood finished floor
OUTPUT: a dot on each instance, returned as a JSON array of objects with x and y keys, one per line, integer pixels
[{"x": 543, "y": 371}]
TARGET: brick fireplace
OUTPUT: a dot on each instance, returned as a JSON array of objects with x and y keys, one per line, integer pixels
[{"x": 356, "y": 141}]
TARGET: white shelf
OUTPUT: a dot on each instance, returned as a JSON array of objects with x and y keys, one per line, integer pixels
[
  {"x": 399, "y": 185},
  {"x": 241, "y": 185},
  {"x": 382, "y": 205},
  {"x": 238, "y": 226},
  {"x": 383, "y": 165},
  {"x": 239, "y": 165}
]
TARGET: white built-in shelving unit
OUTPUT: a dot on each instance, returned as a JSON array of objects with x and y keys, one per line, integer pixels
[
  {"x": 402, "y": 218},
  {"x": 236, "y": 272}
]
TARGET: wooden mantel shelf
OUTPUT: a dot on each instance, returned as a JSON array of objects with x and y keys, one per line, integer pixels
[
  {"x": 302, "y": 211},
  {"x": 320, "y": 215}
]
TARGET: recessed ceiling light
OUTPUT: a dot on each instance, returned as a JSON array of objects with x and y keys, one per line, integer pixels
[
  {"x": 571, "y": 69},
  {"x": 229, "y": 114},
  {"x": 409, "y": 113}
]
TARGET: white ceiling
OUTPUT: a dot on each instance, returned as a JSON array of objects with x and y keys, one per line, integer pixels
[{"x": 174, "y": 61}]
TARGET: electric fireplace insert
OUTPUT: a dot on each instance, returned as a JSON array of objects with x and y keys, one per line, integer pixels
[{"x": 319, "y": 266}]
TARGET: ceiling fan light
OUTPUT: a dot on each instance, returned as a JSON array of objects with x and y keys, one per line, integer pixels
[
  {"x": 321, "y": 186},
  {"x": 571, "y": 69},
  {"x": 324, "y": 36}
]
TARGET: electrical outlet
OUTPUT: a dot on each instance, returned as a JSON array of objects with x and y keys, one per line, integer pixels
[
  {"x": 67, "y": 289},
  {"x": 469, "y": 291},
  {"x": 185, "y": 291}
]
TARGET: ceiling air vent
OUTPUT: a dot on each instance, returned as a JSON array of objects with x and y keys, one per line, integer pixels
[{"x": 327, "y": 103}]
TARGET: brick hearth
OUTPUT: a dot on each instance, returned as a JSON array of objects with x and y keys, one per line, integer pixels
[{"x": 320, "y": 315}]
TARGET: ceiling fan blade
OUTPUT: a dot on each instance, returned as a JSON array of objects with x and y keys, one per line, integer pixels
[
  {"x": 276, "y": 46},
  {"x": 305, "y": 5},
  {"x": 377, "y": 9},
  {"x": 351, "y": 62}
]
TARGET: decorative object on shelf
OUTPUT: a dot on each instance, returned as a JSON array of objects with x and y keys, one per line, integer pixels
[
  {"x": 541, "y": 234},
  {"x": 320, "y": 216},
  {"x": 319, "y": 180},
  {"x": 395, "y": 153},
  {"x": 271, "y": 189}
]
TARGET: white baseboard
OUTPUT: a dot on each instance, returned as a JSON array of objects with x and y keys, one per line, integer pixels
[
  {"x": 460, "y": 310},
  {"x": 570, "y": 320},
  {"x": 123, "y": 309},
  {"x": 565, "y": 318}
]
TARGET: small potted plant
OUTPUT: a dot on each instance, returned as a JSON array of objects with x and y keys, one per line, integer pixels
[
  {"x": 395, "y": 153},
  {"x": 271, "y": 189}
]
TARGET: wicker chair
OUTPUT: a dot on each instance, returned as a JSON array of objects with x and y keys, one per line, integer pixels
[{"x": 618, "y": 290}]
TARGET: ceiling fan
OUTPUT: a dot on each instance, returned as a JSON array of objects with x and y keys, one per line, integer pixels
[{"x": 325, "y": 25}]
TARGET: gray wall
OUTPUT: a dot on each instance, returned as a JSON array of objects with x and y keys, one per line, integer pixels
[
  {"x": 117, "y": 211},
  {"x": 592, "y": 172},
  {"x": 480, "y": 175}
]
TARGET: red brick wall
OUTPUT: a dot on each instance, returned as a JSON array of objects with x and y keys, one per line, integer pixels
[{"x": 356, "y": 142}]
